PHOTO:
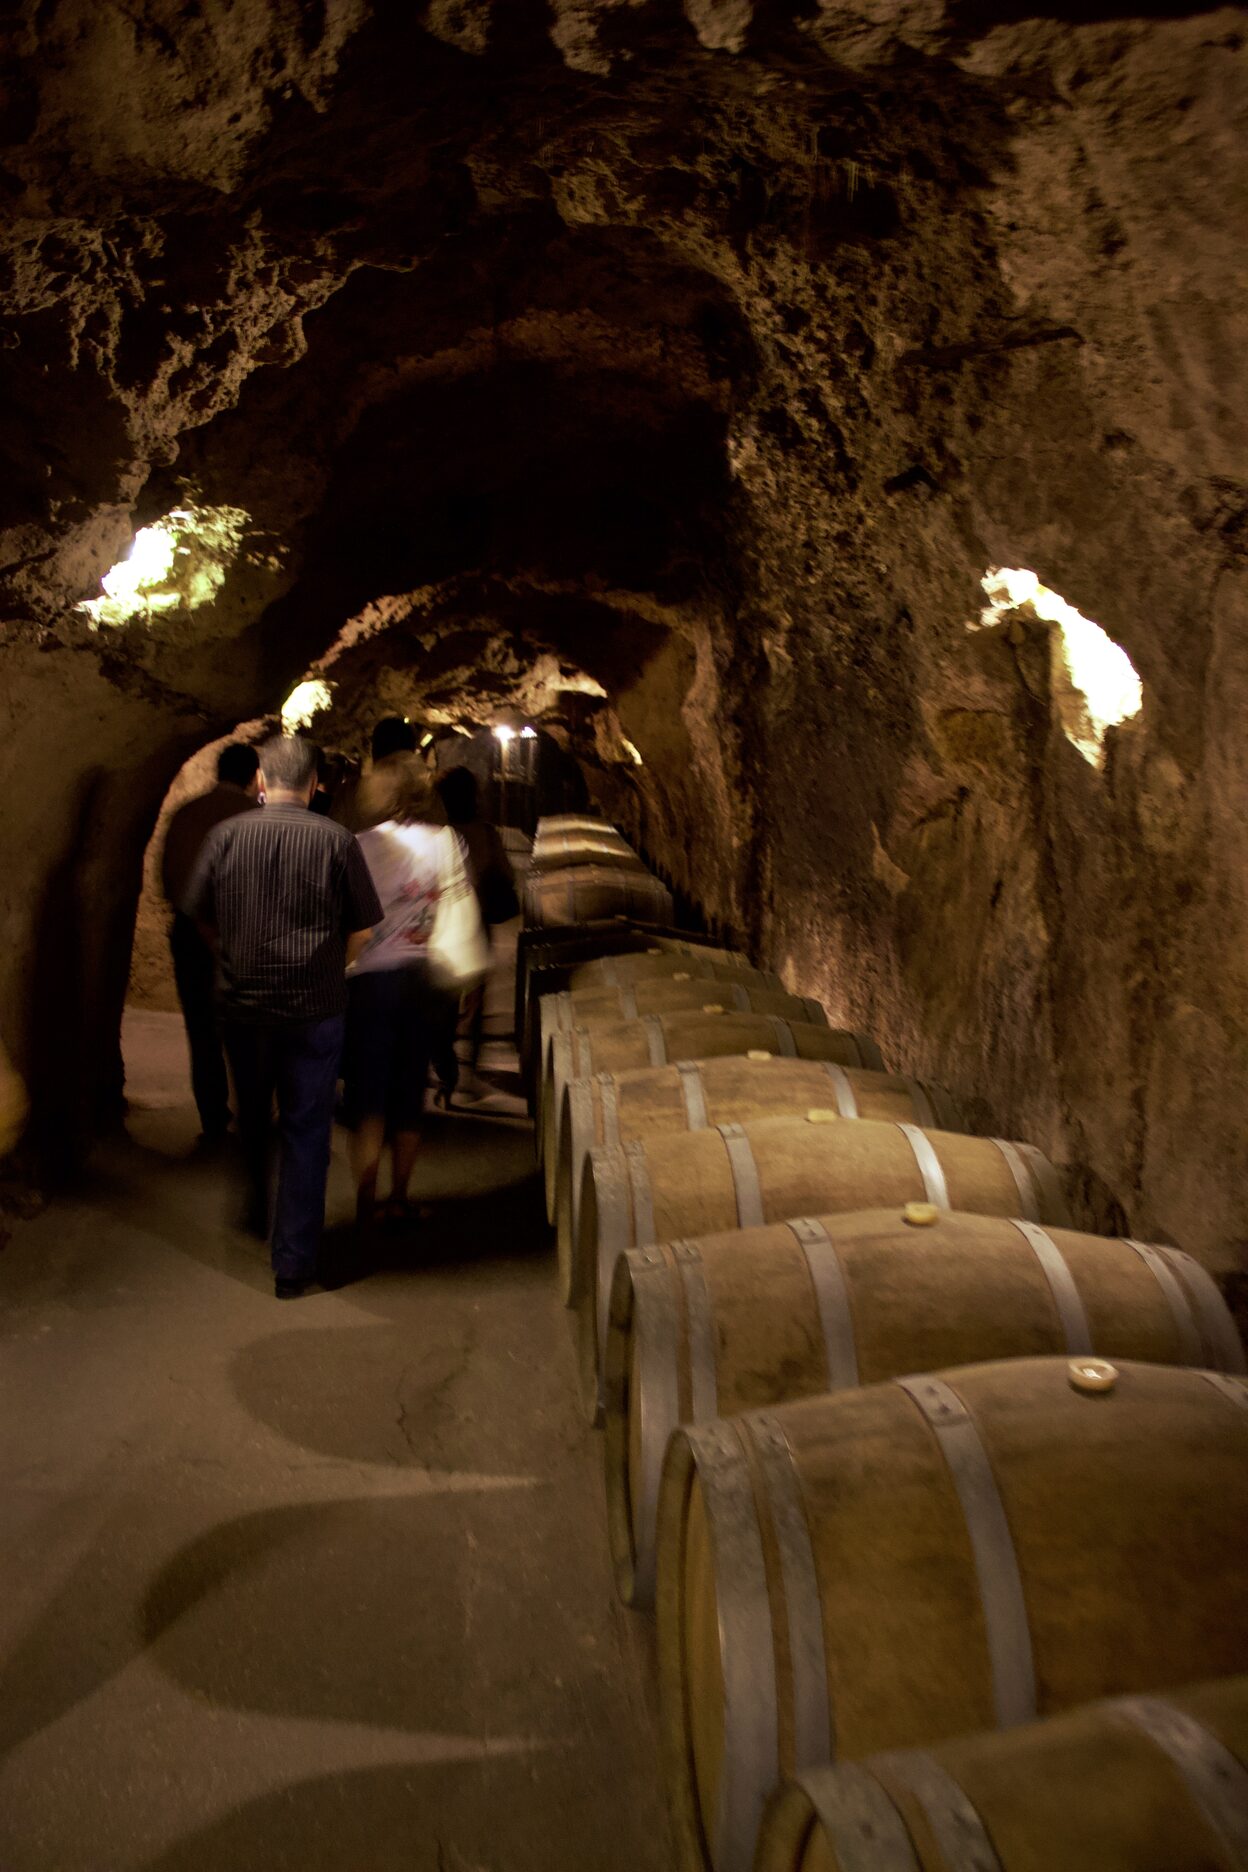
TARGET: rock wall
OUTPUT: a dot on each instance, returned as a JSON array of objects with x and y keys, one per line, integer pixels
[{"x": 708, "y": 356}]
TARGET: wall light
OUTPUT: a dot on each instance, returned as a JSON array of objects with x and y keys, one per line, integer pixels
[
  {"x": 528, "y": 734},
  {"x": 504, "y": 733},
  {"x": 426, "y": 741},
  {"x": 180, "y": 561},
  {"x": 1095, "y": 685},
  {"x": 305, "y": 700}
]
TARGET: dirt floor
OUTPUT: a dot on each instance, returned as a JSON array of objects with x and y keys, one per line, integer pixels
[{"x": 320, "y": 1585}]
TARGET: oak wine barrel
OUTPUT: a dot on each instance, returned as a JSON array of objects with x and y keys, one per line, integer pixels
[
  {"x": 666, "y": 1039},
  {"x": 553, "y": 823},
  {"x": 727, "y": 1323},
  {"x": 583, "y": 849},
  {"x": 589, "y": 892},
  {"x": 616, "y": 1108},
  {"x": 629, "y": 977},
  {"x": 740, "y": 1176},
  {"x": 890, "y": 1567},
  {"x": 545, "y": 957},
  {"x": 1132, "y": 1784},
  {"x": 707, "y": 986}
]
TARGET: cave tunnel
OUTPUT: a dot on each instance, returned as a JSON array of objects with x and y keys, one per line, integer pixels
[{"x": 805, "y": 441}]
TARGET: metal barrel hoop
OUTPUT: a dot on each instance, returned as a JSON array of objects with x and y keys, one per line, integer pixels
[
  {"x": 693, "y": 1094},
  {"x": 744, "y": 1171},
  {"x": 956, "y": 1826},
  {"x": 1029, "y": 1200},
  {"x": 832, "y": 1299},
  {"x": 747, "y": 1659},
  {"x": 813, "y": 1740},
  {"x": 920, "y": 1103},
  {"x": 992, "y": 1545},
  {"x": 1061, "y": 1284},
  {"x": 842, "y": 1090},
  {"x": 1224, "y": 1349},
  {"x": 699, "y": 1329},
  {"x": 934, "y": 1186},
  {"x": 860, "y": 1819},
  {"x": 656, "y": 1039},
  {"x": 1215, "y": 1778},
  {"x": 656, "y": 1342},
  {"x": 786, "y": 1046},
  {"x": 1191, "y": 1346}
]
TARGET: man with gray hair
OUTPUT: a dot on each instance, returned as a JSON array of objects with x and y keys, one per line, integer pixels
[{"x": 286, "y": 896}]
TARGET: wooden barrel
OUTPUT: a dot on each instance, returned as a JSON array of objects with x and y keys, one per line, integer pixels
[
  {"x": 622, "y": 976},
  {"x": 727, "y": 1323},
  {"x": 740, "y": 1176},
  {"x": 545, "y": 958},
  {"x": 705, "y": 986},
  {"x": 616, "y": 1108},
  {"x": 554, "y": 823},
  {"x": 1132, "y": 1784},
  {"x": 583, "y": 849},
  {"x": 589, "y": 892},
  {"x": 517, "y": 845},
  {"x": 889, "y": 1567},
  {"x": 665, "y": 1039},
  {"x": 655, "y": 964},
  {"x": 581, "y": 838}
]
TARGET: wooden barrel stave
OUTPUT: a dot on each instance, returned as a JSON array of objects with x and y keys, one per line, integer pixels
[
  {"x": 1131, "y": 1784},
  {"x": 740, "y": 1176},
  {"x": 1021, "y": 1545},
  {"x": 588, "y": 893},
  {"x": 741, "y": 1321},
  {"x": 613, "y": 1109}
]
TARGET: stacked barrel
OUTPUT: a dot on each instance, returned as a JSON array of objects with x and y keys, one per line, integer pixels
[{"x": 943, "y": 1504}]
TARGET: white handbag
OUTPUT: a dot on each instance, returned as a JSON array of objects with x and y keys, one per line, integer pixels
[{"x": 459, "y": 952}]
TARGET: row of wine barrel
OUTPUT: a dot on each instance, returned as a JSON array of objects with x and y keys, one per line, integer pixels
[
  {"x": 583, "y": 869},
  {"x": 818, "y": 1596},
  {"x": 1132, "y": 1784}
]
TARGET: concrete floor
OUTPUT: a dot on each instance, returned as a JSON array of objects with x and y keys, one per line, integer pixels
[{"x": 320, "y": 1585}]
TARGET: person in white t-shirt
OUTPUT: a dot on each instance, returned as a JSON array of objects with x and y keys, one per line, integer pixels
[{"x": 395, "y": 1012}]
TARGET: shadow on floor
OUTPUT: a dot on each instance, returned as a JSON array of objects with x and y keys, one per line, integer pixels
[{"x": 446, "y": 1816}]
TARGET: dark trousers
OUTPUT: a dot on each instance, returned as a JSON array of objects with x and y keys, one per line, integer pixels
[
  {"x": 296, "y": 1062},
  {"x": 193, "y": 973}
]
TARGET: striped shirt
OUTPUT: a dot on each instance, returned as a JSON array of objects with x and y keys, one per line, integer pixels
[{"x": 283, "y": 888}]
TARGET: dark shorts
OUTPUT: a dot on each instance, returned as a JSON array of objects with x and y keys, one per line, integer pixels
[{"x": 391, "y": 1025}]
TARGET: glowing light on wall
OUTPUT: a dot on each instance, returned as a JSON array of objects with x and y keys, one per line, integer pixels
[
  {"x": 1096, "y": 685},
  {"x": 179, "y": 562},
  {"x": 305, "y": 700},
  {"x": 504, "y": 733},
  {"x": 528, "y": 734},
  {"x": 632, "y": 751}
]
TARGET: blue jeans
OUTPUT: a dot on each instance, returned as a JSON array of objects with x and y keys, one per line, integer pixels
[{"x": 298, "y": 1062}]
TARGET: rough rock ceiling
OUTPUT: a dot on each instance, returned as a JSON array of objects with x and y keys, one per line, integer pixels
[{"x": 713, "y": 351}]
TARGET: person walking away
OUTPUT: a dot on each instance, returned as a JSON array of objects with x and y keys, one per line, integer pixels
[
  {"x": 396, "y": 1008},
  {"x": 490, "y": 870},
  {"x": 392, "y": 748},
  {"x": 288, "y": 897},
  {"x": 194, "y": 965}
]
